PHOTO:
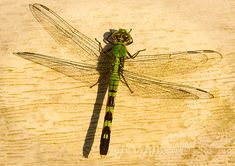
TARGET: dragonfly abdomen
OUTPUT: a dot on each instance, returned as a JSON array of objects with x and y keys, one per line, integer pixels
[
  {"x": 116, "y": 68},
  {"x": 105, "y": 136}
]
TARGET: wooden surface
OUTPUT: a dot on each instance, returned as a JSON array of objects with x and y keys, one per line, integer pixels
[{"x": 45, "y": 116}]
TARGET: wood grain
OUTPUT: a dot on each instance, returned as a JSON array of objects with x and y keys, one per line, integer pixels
[{"x": 45, "y": 116}]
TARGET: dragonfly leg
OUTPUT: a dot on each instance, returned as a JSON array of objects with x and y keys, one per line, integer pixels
[
  {"x": 100, "y": 79},
  {"x": 94, "y": 84},
  {"x": 125, "y": 82},
  {"x": 100, "y": 45},
  {"x": 135, "y": 54}
]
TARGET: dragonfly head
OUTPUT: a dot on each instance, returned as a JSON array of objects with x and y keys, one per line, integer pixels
[{"x": 122, "y": 36}]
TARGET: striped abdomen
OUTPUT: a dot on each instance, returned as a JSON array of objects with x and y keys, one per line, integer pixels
[{"x": 116, "y": 69}]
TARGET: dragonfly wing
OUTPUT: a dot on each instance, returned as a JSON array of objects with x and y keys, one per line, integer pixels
[
  {"x": 150, "y": 87},
  {"x": 89, "y": 74},
  {"x": 65, "y": 34},
  {"x": 163, "y": 65}
]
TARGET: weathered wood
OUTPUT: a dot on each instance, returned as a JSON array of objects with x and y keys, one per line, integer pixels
[{"x": 44, "y": 115}]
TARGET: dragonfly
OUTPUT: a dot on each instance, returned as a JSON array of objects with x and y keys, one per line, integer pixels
[{"x": 116, "y": 67}]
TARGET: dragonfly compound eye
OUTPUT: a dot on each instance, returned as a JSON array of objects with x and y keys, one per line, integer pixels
[{"x": 125, "y": 37}]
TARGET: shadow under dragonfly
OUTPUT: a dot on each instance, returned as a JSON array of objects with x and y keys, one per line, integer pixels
[
  {"x": 102, "y": 89},
  {"x": 90, "y": 135}
]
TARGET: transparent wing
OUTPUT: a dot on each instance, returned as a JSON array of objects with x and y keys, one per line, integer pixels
[
  {"x": 140, "y": 85},
  {"x": 149, "y": 87},
  {"x": 163, "y": 65},
  {"x": 89, "y": 74},
  {"x": 67, "y": 36}
]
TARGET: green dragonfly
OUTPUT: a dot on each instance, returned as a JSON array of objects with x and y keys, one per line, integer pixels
[{"x": 97, "y": 65}]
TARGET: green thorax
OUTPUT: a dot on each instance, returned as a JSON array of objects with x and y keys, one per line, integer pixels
[
  {"x": 119, "y": 55},
  {"x": 119, "y": 51}
]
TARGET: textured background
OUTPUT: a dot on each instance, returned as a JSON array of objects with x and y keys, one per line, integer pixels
[{"x": 45, "y": 116}]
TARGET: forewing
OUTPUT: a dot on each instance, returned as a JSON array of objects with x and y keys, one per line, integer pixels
[
  {"x": 153, "y": 88},
  {"x": 163, "y": 65},
  {"x": 89, "y": 74},
  {"x": 67, "y": 36}
]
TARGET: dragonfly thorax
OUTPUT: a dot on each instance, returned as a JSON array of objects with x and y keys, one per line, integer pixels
[
  {"x": 119, "y": 51},
  {"x": 122, "y": 37}
]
